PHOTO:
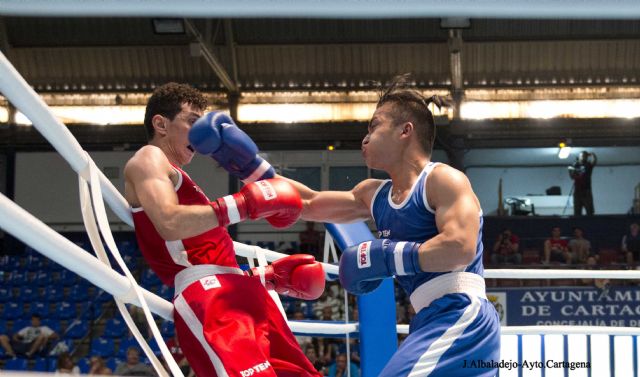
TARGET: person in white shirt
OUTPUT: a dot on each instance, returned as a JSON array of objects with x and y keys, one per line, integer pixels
[{"x": 28, "y": 340}]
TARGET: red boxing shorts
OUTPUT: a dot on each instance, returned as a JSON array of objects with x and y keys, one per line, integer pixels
[{"x": 228, "y": 325}]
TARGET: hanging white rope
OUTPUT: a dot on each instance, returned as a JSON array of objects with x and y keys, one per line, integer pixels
[{"x": 92, "y": 203}]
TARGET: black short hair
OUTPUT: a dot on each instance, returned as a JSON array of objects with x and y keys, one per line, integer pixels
[
  {"x": 411, "y": 106},
  {"x": 167, "y": 101}
]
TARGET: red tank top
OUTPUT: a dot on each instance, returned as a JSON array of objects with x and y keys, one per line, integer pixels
[{"x": 167, "y": 258}]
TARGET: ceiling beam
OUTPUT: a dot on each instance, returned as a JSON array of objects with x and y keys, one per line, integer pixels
[{"x": 210, "y": 57}]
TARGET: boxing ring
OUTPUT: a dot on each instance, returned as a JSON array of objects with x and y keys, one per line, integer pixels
[{"x": 611, "y": 351}]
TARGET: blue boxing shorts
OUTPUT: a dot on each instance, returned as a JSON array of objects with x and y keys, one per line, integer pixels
[{"x": 456, "y": 335}]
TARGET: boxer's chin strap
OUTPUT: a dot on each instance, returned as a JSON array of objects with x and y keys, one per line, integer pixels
[{"x": 96, "y": 222}]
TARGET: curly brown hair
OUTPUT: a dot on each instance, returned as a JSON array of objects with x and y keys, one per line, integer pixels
[
  {"x": 167, "y": 101},
  {"x": 411, "y": 106}
]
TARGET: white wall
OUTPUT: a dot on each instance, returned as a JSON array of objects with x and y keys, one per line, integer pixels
[
  {"x": 532, "y": 171},
  {"x": 47, "y": 187}
]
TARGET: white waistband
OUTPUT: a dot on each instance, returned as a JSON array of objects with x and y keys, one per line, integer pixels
[
  {"x": 453, "y": 282},
  {"x": 187, "y": 276}
]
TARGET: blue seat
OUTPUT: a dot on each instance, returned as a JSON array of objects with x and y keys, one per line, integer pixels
[
  {"x": 165, "y": 292},
  {"x": 40, "y": 308},
  {"x": 113, "y": 363},
  {"x": 42, "y": 364},
  {"x": 42, "y": 278},
  {"x": 10, "y": 263},
  {"x": 167, "y": 329},
  {"x": 6, "y": 293},
  {"x": 103, "y": 347},
  {"x": 77, "y": 329},
  {"x": 18, "y": 278},
  {"x": 102, "y": 296},
  {"x": 16, "y": 364},
  {"x": 115, "y": 328},
  {"x": 149, "y": 278},
  {"x": 127, "y": 247},
  {"x": 53, "y": 324},
  {"x": 29, "y": 293},
  {"x": 124, "y": 345},
  {"x": 20, "y": 324},
  {"x": 12, "y": 310},
  {"x": 68, "y": 277},
  {"x": 84, "y": 365},
  {"x": 79, "y": 292},
  {"x": 91, "y": 310},
  {"x": 65, "y": 310},
  {"x": 34, "y": 262},
  {"x": 54, "y": 293}
]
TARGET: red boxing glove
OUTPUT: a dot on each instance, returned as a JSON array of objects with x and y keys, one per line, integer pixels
[
  {"x": 298, "y": 276},
  {"x": 274, "y": 199}
]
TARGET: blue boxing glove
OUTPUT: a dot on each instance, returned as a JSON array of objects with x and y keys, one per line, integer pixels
[
  {"x": 362, "y": 267},
  {"x": 216, "y": 134}
]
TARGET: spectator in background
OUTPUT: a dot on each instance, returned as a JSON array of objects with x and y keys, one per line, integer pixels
[
  {"x": 312, "y": 354},
  {"x": 579, "y": 247},
  {"x": 556, "y": 249},
  {"x": 631, "y": 244},
  {"x": 339, "y": 368},
  {"x": 303, "y": 340},
  {"x": 329, "y": 302},
  {"x": 581, "y": 172},
  {"x": 132, "y": 366},
  {"x": 174, "y": 348},
  {"x": 506, "y": 248},
  {"x": 598, "y": 283},
  {"x": 65, "y": 365},
  {"x": 30, "y": 340},
  {"x": 98, "y": 367},
  {"x": 311, "y": 241}
]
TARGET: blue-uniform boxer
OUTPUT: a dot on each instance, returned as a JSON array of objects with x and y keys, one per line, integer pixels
[{"x": 454, "y": 322}]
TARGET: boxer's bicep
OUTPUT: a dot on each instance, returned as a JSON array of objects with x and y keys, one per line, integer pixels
[{"x": 153, "y": 189}]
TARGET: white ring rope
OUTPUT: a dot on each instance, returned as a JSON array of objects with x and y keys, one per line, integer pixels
[
  {"x": 95, "y": 198},
  {"x": 560, "y": 274}
]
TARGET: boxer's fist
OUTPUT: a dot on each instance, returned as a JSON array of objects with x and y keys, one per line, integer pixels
[
  {"x": 362, "y": 267},
  {"x": 275, "y": 200},
  {"x": 216, "y": 134},
  {"x": 298, "y": 276}
]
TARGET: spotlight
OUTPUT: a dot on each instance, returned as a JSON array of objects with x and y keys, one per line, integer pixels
[{"x": 330, "y": 147}]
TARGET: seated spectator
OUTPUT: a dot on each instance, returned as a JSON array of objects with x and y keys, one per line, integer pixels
[
  {"x": 331, "y": 301},
  {"x": 303, "y": 340},
  {"x": 339, "y": 368},
  {"x": 556, "y": 249},
  {"x": 97, "y": 366},
  {"x": 312, "y": 354},
  {"x": 65, "y": 365},
  {"x": 176, "y": 351},
  {"x": 311, "y": 241},
  {"x": 505, "y": 249},
  {"x": 598, "y": 283},
  {"x": 30, "y": 340},
  {"x": 579, "y": 246},
  {"x": 133, "y": 366},
  {"x": 631, "y": 244}
]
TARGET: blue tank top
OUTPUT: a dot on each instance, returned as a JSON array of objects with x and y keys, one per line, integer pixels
[{"x": 413, "y": 220}]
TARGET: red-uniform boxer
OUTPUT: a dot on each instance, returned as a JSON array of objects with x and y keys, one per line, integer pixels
[{"x": 226, "y": 322}]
